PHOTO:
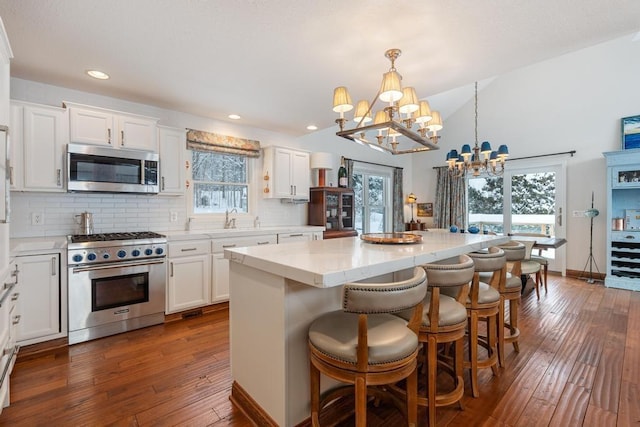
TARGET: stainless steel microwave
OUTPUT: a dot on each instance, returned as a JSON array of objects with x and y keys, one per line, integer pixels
[{"x": 111, "y": 170}]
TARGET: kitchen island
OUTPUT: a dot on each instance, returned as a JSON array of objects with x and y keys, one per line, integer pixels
[{"x": 277, "y": 291}]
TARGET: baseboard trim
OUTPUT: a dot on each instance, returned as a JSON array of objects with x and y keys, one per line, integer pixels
[
  {"x": 249, "y": 407},
  {"x": 576, "y": 274},
  {"x": 200, "y": 311}
]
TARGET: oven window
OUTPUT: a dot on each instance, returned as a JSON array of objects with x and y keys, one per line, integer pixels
[
  {"x": 118, "y": 291},
  {"x": 92, "y": 168}
]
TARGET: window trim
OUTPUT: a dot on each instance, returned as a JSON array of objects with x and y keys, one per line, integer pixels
[{"x": 251, "y": 191}]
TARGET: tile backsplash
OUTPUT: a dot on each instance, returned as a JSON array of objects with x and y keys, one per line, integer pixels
[{"x": 129, "y": 212}]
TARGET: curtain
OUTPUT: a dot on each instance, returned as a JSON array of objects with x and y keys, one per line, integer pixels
[
  {"x": 207, "y": 141},
  {"x": 449, "y": 207},
  {"x": 348, "y": 165},
  {"x": 398, "y": 201}
]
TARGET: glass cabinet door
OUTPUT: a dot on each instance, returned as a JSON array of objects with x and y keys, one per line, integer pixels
[
  {"x": 332, "y": 210},
  {"x": 347, "y": 211}
]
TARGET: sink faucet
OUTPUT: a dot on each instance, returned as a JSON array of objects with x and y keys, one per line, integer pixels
[{"x": 229, "y": 223}]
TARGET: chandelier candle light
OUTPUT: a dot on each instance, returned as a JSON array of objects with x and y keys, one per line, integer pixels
[
  {"x": 483, "y": 159},
  {"x": 393, "y": 124}
]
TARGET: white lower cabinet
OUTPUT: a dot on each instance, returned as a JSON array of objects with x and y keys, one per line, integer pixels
[
  {"x": 189, "y": 276},
  {"x": 220, "y": 265},
  {"x": 40, "y": 298},
  {"x": 198, "y": 273},
  {"x": 9, "y": 319}
]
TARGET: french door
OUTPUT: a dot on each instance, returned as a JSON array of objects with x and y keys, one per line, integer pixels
[
  {"x": 528, "y": 198},
  {"x": 373, "y": 207}
]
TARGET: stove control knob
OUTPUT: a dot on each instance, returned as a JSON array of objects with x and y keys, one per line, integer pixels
[
  {"x": 135, "y": 252},
  {"x": 105, "y": 256},
  {"x": 77, "y": 258},
  {"x": 122, "y": 253},
  {"x": 148, "y": 252},
  {"x": 91, "y": 257},
  {"x": 159, "y": 251}
]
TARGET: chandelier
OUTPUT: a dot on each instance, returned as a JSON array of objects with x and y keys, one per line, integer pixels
[
  {"x": 482, "y": 159},
  {"x": 392, "y": 125}
]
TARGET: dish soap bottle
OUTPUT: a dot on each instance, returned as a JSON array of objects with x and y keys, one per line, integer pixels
[{"x": 343, "y": 180}]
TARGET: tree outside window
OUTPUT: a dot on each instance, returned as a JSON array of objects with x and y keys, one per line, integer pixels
[{"x": 220, "y": 182}]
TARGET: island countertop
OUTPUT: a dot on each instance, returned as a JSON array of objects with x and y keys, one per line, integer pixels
[{"x": 333, "y": 262}]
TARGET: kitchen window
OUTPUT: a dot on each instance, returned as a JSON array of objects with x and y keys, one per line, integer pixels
[{"x": 220, "y": 182}]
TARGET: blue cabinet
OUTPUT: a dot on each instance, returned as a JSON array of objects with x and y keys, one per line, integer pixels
[{"x": 623, "y": 218}]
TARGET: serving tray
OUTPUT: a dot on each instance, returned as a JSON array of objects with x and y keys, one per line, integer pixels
[{"x": 391, "y": 238}]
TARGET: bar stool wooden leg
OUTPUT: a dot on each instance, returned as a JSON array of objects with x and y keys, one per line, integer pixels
[
  {"x": 473, "y": 353},
  {"x": 501, "y": 337},
  {"x": 432, "y": 366},
  {"x": 513, "y": 323},
  {"x": 314, "y": 376},
  {"x": 492, "y": 333}
]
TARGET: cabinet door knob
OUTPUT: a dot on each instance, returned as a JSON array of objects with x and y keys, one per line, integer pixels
[
  {"x": 122, "y": 138},
  {"x": 109, "y": 135}
]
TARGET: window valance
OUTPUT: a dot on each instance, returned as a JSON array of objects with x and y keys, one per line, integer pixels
[{"x": 206, "y": 141}]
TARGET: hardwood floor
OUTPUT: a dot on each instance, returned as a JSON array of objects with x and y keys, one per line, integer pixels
[{"x": 579, "y": 364}]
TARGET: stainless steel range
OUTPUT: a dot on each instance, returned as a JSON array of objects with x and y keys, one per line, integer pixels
[{"x": 116, "y": 283}]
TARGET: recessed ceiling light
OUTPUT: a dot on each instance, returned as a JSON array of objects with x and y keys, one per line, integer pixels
[
  {"x": 312, "y": 127},
  {"x": 234, "y": 117},
  {"x": 96, "y": 74}
]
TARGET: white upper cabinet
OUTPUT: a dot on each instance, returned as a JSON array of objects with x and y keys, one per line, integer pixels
[
  {"x": 92, "y": 125},
  {"x": 39, "y": 138},
  {"x": 288, "y": 171},
  {"x": 172, "y": 160}
]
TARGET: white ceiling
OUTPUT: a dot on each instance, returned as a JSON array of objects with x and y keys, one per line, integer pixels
[{"x": 276, "y": 62}]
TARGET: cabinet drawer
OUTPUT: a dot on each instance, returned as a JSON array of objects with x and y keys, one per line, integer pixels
[
  {"x": 219, "y": 245},
  {"x": 188, "y": 248}
]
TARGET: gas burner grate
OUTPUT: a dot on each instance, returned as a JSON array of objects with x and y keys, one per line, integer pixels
[{"x": 104, "y": 237}]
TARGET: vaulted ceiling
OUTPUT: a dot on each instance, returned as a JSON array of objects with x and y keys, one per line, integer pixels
[{"x": 276, "y": 62}]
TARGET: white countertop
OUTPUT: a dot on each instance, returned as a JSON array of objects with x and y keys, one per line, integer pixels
[
  {"x": 239, "y": 232},
  {"x": 327, "y": 263},
  {"x": 58, "y": 243}
]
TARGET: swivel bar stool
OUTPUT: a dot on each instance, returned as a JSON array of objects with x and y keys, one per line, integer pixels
[
  {"x": 510, "y": 290},
  {"x": 365, "y": 345},
  {"x": 484, "y": 303},
  {"x": 444, "y": 321}
]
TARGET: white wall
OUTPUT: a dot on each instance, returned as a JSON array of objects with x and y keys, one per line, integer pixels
[
  {"x": 139, "y": 212},
  {"x": 573, "y": 102}
]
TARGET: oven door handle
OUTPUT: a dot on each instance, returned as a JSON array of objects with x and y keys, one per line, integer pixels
[{"x": 118, "y": 265}]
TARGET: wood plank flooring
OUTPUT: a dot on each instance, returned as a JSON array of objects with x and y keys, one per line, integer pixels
[{"x": 579, "y": 365}]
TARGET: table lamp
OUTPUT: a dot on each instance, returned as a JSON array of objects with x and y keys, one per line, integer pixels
[
  {"x": 411, "y": 199},
  {"x": 322, "y": 162}
]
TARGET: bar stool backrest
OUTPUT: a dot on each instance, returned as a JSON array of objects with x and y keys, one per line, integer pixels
[{"x": 369, "y": 298}]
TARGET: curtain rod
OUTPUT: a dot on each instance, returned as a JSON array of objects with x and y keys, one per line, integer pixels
[
  {"x": 572, "y": 152},
  {"x": 372, "y": 163}
]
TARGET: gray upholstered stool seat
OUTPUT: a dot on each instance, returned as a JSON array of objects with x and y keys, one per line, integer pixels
[
  {"x": 486, "y": 293},
  {"x": 336, "y": 335},
  {"x": 512, "y": 281},
  {"x": 365, "y": 345}
]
